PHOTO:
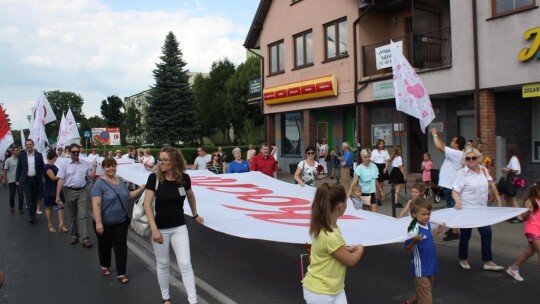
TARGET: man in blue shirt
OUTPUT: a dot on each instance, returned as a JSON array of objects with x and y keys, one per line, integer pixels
[{"x": 346, "y": 165}]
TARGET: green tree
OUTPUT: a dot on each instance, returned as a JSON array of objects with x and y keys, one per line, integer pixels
[
  {"x": 171, "y": 115},
  {"x": 96, "y": 122},
  {"x": 60, "y": 103},
  {"x": 112, "y": 111},
  {"x": 220, "y": 72},
  {"x": 237, "y": 110},
  {"x": 132, "y": 122},
  {"x": 201, "y": 94}
]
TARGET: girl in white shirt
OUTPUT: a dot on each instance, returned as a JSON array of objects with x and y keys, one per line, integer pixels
[
  {"x": 380, "y": 158},
  {"x": 513, "y": 168},
  {"x": 397, "y": 175}
]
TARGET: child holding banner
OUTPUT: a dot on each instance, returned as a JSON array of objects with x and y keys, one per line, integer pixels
[
  {"x": 421, "y": 248},
  {"x": 325, "y": 279}
]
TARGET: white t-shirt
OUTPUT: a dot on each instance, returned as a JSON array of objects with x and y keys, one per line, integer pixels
[
  {"x": 514, "y": 165},
  {"x": 92, "y": 156},
  {"x": 453, "y": 162},
  {"x": 473, "y": 188},
  {"x": 308, "y": 173},
  {"x": 202, "y": 161},
  {"x": 379, "y": 157},
  {"x": 323, "y": 150},
  {"x": 397, "y": 162}
]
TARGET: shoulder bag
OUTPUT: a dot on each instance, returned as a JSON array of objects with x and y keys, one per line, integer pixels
[
  {"x": 119, "y": 199},
  {"x": 139, "y": 220},
  {"x": 506, "y": 186}
]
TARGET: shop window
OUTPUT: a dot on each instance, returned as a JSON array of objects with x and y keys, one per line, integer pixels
[
  {"x": 535, "y": 130},
  {"x": 335, "y": 34},
  {"x": 505, "y": 7},
  {"x": 303, "y": 49},
  {"x": 277, "y": 57},
  {"x": 292, "y": 130}
]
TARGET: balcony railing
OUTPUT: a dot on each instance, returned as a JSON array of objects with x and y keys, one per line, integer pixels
[{"x": 425, "y": 51}]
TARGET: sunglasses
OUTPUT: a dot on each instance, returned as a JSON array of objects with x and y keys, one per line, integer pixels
[
  {"x": 75, "y": 152},
  {"x": 471, "y": 158},
  {"x": 310, "y": 153}
]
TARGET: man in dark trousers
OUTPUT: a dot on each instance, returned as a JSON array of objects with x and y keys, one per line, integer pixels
[{"x": 29, "y": 175}]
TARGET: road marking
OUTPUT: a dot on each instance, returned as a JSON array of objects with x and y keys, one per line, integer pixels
[{"x": 146, "y": 255}]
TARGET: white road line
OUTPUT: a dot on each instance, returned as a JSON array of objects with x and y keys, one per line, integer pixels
[{"x": 145, "y": 254}]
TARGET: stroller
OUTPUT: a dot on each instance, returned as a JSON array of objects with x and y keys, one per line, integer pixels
[{"x": 435, "y": 188}]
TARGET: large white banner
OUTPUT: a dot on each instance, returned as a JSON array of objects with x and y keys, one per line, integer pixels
[{"x": 255, "y": 206}]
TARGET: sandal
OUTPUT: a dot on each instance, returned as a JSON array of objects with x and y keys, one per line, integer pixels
[
  {"x": 62, "y": 228},
  {"x": 51, "y": 229},
  {"x": 122, "y": 279},
  {"x": 105, "y": 271}
]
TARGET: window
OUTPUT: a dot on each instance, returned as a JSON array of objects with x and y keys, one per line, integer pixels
[
  {"x": 291, "y": 130},
  {"x": 277, "y": 57},
  {"x": 504, "y": 7},
  {"x": 303, "y": 49},
  {"x": 335, "y": 34}
]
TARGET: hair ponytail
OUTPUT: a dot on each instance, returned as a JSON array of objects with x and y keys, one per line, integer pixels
[
  {"x": 532, "y": 194},
  {"x": 326, "y": 200}
]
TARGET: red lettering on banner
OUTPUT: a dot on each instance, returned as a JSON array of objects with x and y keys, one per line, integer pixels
[
  {"x": 308, "y": 89},
  {"x": 324, "y": 86},
  {"x": 255, "y": 189},
  {"x": 288, "y": 201},
  {"x": 286, "y": 213},
  {"x": 215, "y": 183}
]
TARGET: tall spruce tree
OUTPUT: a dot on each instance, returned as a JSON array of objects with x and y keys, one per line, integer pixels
[{"x": 171, "y": 114}]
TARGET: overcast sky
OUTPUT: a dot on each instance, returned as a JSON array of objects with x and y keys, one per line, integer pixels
[{"x": 98, "y": 48}]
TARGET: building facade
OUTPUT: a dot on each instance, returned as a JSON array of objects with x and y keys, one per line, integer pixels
[{"x": 339, "y": 49}]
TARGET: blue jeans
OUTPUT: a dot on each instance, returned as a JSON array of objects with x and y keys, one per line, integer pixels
[
  {"x": 485, "y": 236},
  {"x": 13, "y": 189},
  {"x": 447, "y": 193},
  {"x": 30, "y": 188}
]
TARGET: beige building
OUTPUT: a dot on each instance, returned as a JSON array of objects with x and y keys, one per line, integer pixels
[{"x": 326, "y": 73}]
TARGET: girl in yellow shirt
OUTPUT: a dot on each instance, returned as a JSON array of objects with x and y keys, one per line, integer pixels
[{"x": 325, "y": 279}]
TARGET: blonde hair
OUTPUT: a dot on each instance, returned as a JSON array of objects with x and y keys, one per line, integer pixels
[
  {"x": 472, "y": 150},
  {"x": 327, "y": 198},
  {"x": 365, "y": 152}
]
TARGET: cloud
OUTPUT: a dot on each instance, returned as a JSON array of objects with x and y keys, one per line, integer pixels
[{"x": 85, "y": 47}]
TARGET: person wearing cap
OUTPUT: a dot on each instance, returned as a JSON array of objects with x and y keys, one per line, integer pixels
[{"x": 118, "y": 154}]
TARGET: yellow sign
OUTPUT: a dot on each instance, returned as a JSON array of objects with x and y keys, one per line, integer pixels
[
  {"x": 528, "y": 53},
  {"x": 530, "y": 90}
]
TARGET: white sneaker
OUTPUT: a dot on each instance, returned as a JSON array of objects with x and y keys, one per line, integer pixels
[
  {"x": 514, "y": 274},
  {"x": 39, "y": 212}
]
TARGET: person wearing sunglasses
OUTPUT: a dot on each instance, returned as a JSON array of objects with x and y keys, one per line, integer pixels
[
  {"x": 72, "y": 181},
  {"x": 471, "y": 189},
  {"x": 306, "y": 172},
  {"x": 216, "y": 165}
]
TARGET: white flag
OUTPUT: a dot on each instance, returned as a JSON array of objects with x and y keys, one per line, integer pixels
[
  {"x": 23, "y": 140},
  {"x": 6, "y": 139},
  {"x": 37, "y": 130},
  {"x": 72, "y": 133},
  {"x": 61, "y": 140},
  {"x": 409, "y": 90},
  {"x": 44, "y": 105}
]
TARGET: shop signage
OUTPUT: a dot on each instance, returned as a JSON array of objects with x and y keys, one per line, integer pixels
[
  {"x": 530, "y": 90},
  {"x": 383, "y": 89},
  {"x": 383, "y": 57},
  {"x": 304, "y": 90},
  {"x": 254, "y": 87},
  {"x": 106, "y": 136},
  {"x": 528, "y": 53}
]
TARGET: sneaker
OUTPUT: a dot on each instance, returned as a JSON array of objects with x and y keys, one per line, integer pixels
[
  {"x": 514, "y": 274},
  {"x": 451, "y": 237},
  {"x": 87, "y": 244}
]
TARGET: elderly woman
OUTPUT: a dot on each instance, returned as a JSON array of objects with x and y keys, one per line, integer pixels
[
  {"x": 366, "y": 175},
  {"x": 238, "y": 165},
  {"x": 306, "y": 172},
  {"x": 110, "y": 197},
  {"x": 470, "y": 189}
]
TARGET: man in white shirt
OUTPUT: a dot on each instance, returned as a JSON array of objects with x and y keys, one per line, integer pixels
[
  {"x": 201, "y": 160},
  {"x": 72, "y": 181},
  {"x": 453, "y": 162},
  {"x": 29, "y": 176}
]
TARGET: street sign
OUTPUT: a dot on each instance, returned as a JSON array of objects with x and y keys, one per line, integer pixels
[{"x": 87, "y": 134}]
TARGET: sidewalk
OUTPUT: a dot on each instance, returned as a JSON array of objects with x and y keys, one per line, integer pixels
[{"x": 508, "y": 239}]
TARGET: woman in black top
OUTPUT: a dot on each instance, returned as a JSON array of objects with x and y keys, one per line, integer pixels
[{"x": 171, "y": 186}]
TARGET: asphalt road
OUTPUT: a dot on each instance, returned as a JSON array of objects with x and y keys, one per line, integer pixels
[{"x": 42, "y": 267}]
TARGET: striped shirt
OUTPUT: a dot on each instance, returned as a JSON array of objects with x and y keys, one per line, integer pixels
[{"x": 423, "y": 256}]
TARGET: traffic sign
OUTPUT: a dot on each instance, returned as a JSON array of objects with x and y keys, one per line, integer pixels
[{"x": 87, "y": 134}]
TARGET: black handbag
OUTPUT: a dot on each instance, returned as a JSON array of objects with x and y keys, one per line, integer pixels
[{"x": 505, "y": 185}]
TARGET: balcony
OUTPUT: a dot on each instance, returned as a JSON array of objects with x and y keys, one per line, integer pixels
[{"x": 424, "y": 51}]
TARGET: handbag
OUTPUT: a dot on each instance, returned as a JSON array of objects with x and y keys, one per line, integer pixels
[
  {"x": 506, "y": 186},
  {"x": 139, "y": 220}
]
